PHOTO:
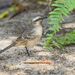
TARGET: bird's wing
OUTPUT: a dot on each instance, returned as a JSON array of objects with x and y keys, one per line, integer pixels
[{"x": 29, "y": 34}]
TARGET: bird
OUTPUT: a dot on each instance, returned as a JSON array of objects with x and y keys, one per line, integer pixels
[{"x": 30, "y": 39}]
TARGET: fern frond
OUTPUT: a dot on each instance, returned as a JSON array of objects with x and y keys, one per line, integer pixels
[{"x": 61, "y": 8}]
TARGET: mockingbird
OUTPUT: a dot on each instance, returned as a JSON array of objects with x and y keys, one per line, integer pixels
[{"x": 30, "y": 39}]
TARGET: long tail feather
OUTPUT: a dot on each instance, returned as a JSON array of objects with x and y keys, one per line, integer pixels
[{"x": 13, "y": 44}]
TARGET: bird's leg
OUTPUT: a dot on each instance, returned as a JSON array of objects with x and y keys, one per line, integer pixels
[{"x": 27, "y": 51}]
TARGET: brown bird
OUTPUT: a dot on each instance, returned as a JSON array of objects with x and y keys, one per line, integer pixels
[{"x": 30, "y": 39}]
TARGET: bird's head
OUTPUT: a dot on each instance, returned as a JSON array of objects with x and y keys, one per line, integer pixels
[{"x": 38, "y": 20}]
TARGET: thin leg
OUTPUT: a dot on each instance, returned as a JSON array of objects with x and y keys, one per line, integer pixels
[{"x": 27, "y": 51}]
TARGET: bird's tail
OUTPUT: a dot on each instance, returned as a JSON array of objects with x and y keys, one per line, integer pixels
[{"x": 11, "y": 45}]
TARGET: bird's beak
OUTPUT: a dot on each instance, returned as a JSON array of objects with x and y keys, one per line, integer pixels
[{"x": 44, "y": 17}]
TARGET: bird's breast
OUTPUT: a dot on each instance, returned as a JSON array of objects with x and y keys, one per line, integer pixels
[
  {"x": 33, "y": 42},
  {"x": 38, "y": 30}
]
